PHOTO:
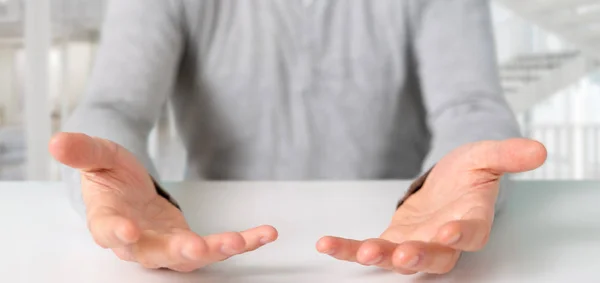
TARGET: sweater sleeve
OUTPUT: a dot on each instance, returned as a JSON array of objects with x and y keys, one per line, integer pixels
[
  {"x": 455, "y": 55},
  {"x": 133, "y": 76}
]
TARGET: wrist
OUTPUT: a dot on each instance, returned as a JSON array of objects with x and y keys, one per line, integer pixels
[{"x": 414, "y": 187}]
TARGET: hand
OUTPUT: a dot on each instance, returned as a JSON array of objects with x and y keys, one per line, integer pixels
[
  {"x": 451, "y": 213},
  {"x": 125, "y": 213}
]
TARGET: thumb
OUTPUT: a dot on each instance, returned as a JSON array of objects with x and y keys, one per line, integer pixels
[
  {"x": 83, "y": 152},
  {"x": 508, "y": 156}
]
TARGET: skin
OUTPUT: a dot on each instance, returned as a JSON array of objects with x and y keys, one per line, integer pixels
[
  {"x": 126, "y": 215},
  {"x": 453, "y": 212}
]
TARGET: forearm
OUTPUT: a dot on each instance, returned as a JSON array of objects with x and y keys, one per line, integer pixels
[
  {"x": 133, "y": 76},
  {"x": 454, "y": 47},
  {"x": 474, "y": 119}
]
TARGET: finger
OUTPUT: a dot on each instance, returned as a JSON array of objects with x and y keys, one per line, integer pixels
[
  {"x": 465, "y": 235},
  {"x": 259, "y": 236},
  {"x": 376, "y": 252},
  {"x": 226, "y": 245},
  {"x": 367, "y": 252},
  {"x": 340, "y": 248},
  {"x": 253, "y": 238},
  {"x": 508, "y": 156},
  {"x": 425, "y": 257},
  {"x": 124, "y": 253},
  {"x": 110, "y": 229},
  {"x": 166, "y": 250},
  {"x": 83, "y": 152},
  {"x": 184, "y": 267}
]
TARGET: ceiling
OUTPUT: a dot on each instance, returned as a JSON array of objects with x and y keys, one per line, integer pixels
[{"x": 575, "y": 21}]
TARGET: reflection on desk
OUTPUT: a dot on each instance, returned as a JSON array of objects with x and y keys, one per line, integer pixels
[{"x": 549, "y": 232}]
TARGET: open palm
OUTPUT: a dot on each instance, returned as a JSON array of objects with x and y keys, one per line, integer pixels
[
  {"x": 452, "y": 212},
  {"x": 126, "y": 214}
]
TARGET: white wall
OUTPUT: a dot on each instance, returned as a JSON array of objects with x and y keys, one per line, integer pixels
[
  {"x": 9, "y": 104},
  {"x": 72, "y": 68},
  {"x": 69, "y": 70}
]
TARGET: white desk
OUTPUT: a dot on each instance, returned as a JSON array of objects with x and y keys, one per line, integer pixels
[{"x": 550, "y": 232}]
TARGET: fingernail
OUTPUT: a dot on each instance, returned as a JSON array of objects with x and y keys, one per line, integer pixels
[
  {"x": 413, "y": 262},
  {"x": 454, "y": 239},
  {"x": 375, "y": 260},
  {"x": 329, "y": 252},
  {"x": 226, "y": 250}
]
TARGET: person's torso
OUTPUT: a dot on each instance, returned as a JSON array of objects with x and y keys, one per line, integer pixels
[{"x": 273, "y": 89}]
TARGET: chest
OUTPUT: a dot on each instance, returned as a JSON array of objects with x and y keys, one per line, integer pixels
[{"x": 298, "y": 45}]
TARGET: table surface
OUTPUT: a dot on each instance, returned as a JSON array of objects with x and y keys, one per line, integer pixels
[{"x": 549, "y": 232}]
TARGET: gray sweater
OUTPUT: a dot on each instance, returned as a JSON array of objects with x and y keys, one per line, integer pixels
[{"x": 274, "y": 89}]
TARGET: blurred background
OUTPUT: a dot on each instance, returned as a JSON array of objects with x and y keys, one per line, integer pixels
[{"x": 548, "y": 53}]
